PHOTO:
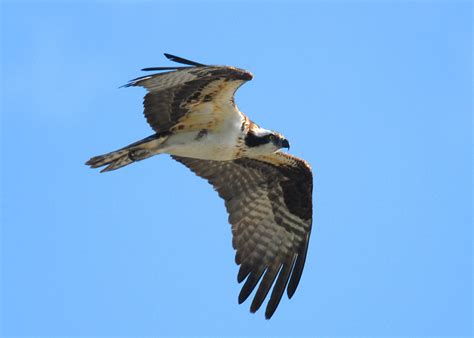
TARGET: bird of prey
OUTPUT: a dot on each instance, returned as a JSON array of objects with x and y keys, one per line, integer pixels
[{"x": 267, "y": 192}]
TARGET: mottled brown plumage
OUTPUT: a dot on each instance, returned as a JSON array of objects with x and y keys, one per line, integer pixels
[
  {"x": 267, "y": 193},
  {"x": 269, "y": 201},
  {"x": 174, "y": 96}
]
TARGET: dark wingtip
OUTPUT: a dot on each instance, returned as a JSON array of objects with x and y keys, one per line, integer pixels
[
  {"x": 241, "y": 299},
  {"x": 269, "y": 314},
  {"x": 184, "y": 61},
  {"x": 177, "y": 59},
  {"x": 150, "y": 69},
  {"x": 297, "y": 271},
  {"x": 169, "y": 56}
]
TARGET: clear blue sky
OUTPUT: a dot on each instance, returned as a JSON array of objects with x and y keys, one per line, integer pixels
[{"x": 375, "y": 95}]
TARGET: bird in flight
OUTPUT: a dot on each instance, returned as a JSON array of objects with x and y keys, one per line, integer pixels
[{"x": 267, "y": 192}]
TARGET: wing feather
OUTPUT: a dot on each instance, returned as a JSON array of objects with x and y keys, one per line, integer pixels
[
  {"x": 269, "y": 201},
  {"x": 265, "y": 286},
  {"x": 278, "y": 289},
  {"x": 174, "y": 97}
]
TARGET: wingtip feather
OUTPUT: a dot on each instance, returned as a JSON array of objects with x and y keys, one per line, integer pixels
[
  {"x": 178, "y": 59},
  {"x": 151, "y": 69}
]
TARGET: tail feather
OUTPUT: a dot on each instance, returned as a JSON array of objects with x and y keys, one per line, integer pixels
[
  {"x": 114, "y": 160},
  {"x": 120, "y": 158}
]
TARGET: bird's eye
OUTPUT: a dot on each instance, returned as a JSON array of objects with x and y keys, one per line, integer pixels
[{"x": 271, "y": 137}]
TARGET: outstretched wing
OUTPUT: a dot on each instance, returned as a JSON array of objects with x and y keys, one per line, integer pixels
[
  {"x": 269, "y": 201},
  {"x": 190, "y": 98}
]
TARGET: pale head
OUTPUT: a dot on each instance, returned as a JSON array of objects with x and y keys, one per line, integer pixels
[{"x": 261, "y": 141}]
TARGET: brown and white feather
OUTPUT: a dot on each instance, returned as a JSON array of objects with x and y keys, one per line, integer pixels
[
  {"x": 268, "y": 194},
  {"x": 191, "y": 99},
  {"x": 269, "y": 201}
]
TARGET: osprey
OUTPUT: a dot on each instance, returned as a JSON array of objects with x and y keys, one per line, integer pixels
[{"x": 267, "y": 193}]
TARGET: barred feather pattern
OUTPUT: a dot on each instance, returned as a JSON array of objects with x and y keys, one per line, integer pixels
[{"x": 270, "y": 236}]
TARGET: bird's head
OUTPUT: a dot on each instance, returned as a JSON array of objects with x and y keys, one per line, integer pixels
[{"x": 260, "y": 141}]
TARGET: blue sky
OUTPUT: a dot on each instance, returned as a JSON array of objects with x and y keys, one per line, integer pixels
[{"x": 375, "y": 95}]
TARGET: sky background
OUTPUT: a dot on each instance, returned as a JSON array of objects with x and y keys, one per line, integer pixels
[{"x": 375, "y": 95}]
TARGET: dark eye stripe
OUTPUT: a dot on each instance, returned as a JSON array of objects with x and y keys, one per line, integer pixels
[{"x": 252, "y": 140}]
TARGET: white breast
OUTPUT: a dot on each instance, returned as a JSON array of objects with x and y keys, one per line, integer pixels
[{"x": 218, "y": 143}]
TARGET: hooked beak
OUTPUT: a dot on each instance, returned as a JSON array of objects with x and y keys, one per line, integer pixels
[{"x": 285, "y": 144}]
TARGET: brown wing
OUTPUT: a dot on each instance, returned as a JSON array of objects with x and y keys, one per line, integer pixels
[
  {"x": 269, "y": 201},
  {"x": 174, "y": 96}
]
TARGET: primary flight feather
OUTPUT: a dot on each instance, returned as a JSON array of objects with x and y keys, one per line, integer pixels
[{"x": 267, "y": 193}]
